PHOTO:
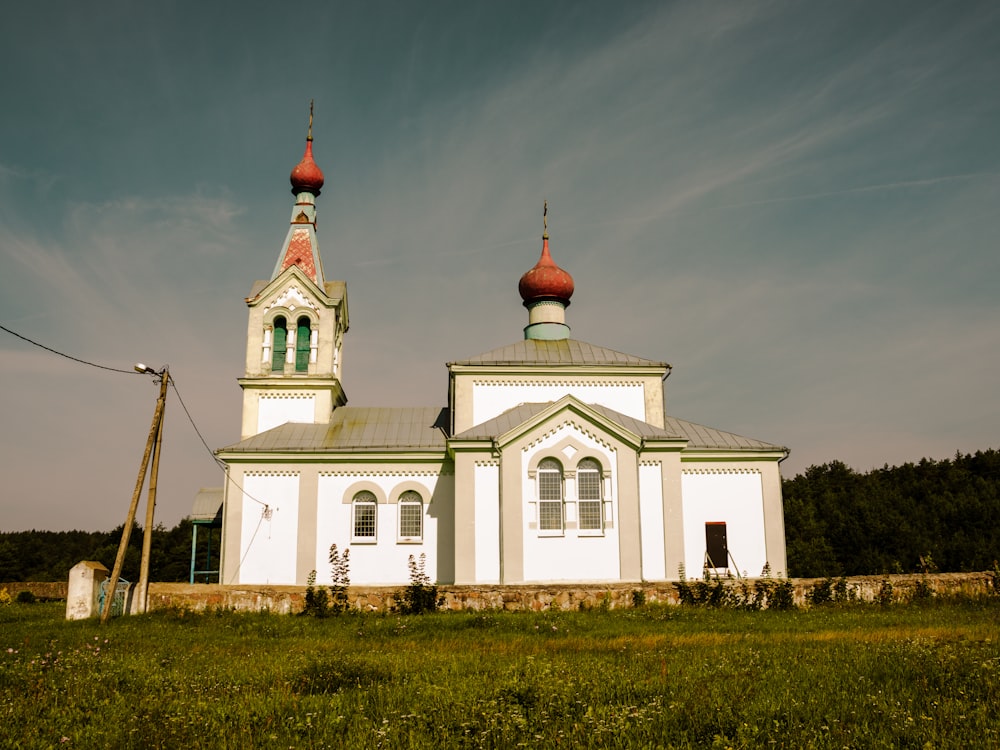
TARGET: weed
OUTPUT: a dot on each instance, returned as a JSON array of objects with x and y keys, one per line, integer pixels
[
  {"x": 420, "y": 595},
  {"x": 922, "y": 590},
  {"x": 830, "y": 591},
  {"x": 884, "y": 596},
  {"x": 340, "y": 572},
  {"x": 316, "y": 600}
]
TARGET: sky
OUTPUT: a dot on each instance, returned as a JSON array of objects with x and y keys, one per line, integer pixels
[{"x": 795, "y": 204}]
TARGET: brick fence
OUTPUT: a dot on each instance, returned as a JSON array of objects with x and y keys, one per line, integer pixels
[{"x": 287, "y": 599}]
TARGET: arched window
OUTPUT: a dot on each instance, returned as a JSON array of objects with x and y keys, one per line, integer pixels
[
  {"x": 302, "y": 345},
  {"x": 550, "y": 495},
  {"x": 588, "y": 495},
  {"x": 280, "y": 344},
  {"x": 364, "y": 507},
  {"x": 411, "y": 517}
]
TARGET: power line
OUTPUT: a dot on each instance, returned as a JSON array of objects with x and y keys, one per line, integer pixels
[
  {"x": 67, "y": 356},
  {"x": 216, "y": 459},
  {"x": 173, "y": 383}
]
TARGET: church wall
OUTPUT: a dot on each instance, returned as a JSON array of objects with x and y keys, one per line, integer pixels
[
  {"x": 487, "y": 521},
  {"x": 774, "y": 518},
  {"x": 732, "y": 495},
  {"x": 383, "y": 560},
  {"x": 464, "y": 528},
  {"x": 276, "y": 408},
  {"x": 268, "y": 537},
  {"x": 494, "y": 396},
  {"x": 661, "y": 514},
  {"x": 651, "y": 521},
  {"x": 571, "y": 554}
]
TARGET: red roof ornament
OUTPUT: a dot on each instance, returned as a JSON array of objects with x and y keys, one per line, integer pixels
[
  {"x": 307, "y": 177},
  {"x": 546, "y": 281}
]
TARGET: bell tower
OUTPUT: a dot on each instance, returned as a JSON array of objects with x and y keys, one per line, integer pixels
[{"x": 297, "y": 322}]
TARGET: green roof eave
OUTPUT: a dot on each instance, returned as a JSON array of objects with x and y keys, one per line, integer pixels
[
  {"x": 340, "y": 455},
  {"x": 733, "y": 454}
]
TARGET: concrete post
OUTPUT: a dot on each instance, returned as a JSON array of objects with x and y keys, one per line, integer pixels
[{"x": 84, "y": 591}]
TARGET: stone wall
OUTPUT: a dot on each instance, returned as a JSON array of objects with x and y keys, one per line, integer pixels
[
  {"x": 285, "y": 599},
  {"x": 288, "y": 599},
  {"x": 47, "y": 590}
]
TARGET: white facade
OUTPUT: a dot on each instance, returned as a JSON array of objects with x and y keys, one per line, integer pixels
[{"x": 553, "y": 461}]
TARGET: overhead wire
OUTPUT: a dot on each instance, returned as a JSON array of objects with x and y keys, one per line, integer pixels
[
  {"x": 265, "y": 507},
  {"x": 67, "y": 356},
  {"x": 173, "y": 383}
]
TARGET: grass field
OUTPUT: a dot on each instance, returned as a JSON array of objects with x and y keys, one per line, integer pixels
[{"x": 857, "y": 676}]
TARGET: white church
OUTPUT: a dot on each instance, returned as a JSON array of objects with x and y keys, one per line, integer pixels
[{"x": 554, "y": 460}]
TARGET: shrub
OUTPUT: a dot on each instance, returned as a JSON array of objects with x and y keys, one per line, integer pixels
[
  {"x": 922, "y": 590},
  {"x": 782, "y": 596},
  {"x": 830, "y": 591},
  {"x": 5, "y": 597},
  {"x": 26, "y": 597},
  {"x": 340, "y": 570},
  {"x": 317, "y": 603},
  {"x": 421, "y": 595},
  {"x": 884, "y": 595},
  {"x": 638, "y": 598},
  {"x": 709, "y": 592}
]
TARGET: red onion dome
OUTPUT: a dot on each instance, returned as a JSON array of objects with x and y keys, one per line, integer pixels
[
  {"x": 307, "y": 177},
  {"x": 546, "y": 281}
]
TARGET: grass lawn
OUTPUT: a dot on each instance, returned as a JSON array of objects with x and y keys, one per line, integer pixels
[{"x": 858, "y": 676}]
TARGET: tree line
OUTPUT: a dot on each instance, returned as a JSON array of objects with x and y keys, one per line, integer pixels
[
  {"x": 919, "y": 517},
  {"x": 49, "y": 555}
]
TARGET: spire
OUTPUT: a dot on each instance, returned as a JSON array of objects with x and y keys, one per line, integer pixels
[
  {"x": 301, "y": 247},
  {"x": 307, "y": 177},
  {"x": 546, "y": 290}
]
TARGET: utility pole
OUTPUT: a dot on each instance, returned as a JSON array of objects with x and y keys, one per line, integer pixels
[{"x": 153, "y": 446}]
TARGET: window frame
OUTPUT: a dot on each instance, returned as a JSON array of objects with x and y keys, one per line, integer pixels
[
  {"x": 586, "y": 467},
  {"x": 409, "y": 499},
  {"x": 364, "y": 499},
  {"x": 546, "y": 468},
  {"x": 278, "y": 359},
  {"x": 303, "y": 344}
]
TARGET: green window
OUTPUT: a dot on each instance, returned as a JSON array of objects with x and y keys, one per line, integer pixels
[
  {"x": 302, "y": 345},
  {"x": 280, "y": 344}
]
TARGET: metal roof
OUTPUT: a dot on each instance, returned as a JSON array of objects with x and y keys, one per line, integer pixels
[
  {"x": 521, "y": 413},
  {"x": 356, "y": 429},
  {"x": 563, "y": 352},
  {"x": 378, "y": 429},
  {"x": 207, "y": 505},
  {"x": 698, "y": 436}
]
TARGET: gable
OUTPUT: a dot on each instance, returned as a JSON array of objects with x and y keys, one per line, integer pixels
[
  {"x": 523, "y": 419},
  {"x": 291, "y": 286}
]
